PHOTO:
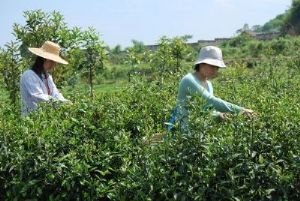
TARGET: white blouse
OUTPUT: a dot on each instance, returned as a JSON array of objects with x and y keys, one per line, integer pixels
[{"x": 34, "y": 90}]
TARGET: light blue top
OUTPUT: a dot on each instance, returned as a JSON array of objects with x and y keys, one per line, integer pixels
[{"x": 190, "y": 85}]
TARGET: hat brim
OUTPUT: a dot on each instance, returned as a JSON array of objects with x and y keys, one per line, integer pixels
[
  {"x": 47, "y": 55},
  {"x": 213, "y": 62}
]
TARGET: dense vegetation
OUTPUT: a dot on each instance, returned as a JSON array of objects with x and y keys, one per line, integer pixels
[
  {"x": 98, "y": 149},
  {"x": 101, "y": 148},
  {"x": 286, "y": 23}
]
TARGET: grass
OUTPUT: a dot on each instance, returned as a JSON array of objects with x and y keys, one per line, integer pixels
[{"x": 84, "y": 89}]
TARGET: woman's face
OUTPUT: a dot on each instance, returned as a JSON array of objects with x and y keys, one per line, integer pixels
[
  {"x": 49, "y": 65},
  {"x": 209, "y": 71}
]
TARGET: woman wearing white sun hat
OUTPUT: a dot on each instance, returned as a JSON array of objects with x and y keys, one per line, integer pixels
[
  {"x": 36, "y": 84},
  {"x": 209, "y": 61}
]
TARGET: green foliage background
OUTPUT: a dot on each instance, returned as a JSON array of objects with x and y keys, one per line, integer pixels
[{"x": 100, "y": 149}]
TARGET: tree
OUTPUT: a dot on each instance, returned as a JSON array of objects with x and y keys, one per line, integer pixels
[
  {"x": 162, "y": 58},
  {"x": 170, "y": 53},
  {"x": 275, "y": 24},
  {"x": 178, "y": 49},
  {"x": 245, "y": 28},
  {"x": 116, "y": 50},
  {"x": 95, "y": 54},
  {"x": 11, "y": 65},
  {"x": 135, "y": 55},
  {"x": 186, "y": 37},
  {"x": 287, "y": 23},
  {"x": 116, "y": 55},
  {"x": 240, "y": 40},
  {"x": 40, "y": 27},
  {"x": 292, "y": 21},
  {"x": 256, "y": 28},
  {"x": 138, "y": 46}
]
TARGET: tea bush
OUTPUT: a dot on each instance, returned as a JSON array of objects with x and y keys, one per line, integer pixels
[{"x": 97, "y": 149}]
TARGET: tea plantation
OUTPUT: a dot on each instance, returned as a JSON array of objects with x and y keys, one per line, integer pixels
[{"x": 101, "y": 148}]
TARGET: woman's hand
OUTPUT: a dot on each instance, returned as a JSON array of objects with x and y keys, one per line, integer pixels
[
  {"x": 223, "y": 116},
  {"x": 248, "y": 113}
]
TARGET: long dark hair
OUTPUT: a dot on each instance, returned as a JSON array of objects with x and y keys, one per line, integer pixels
[
  {"x": 197, "y": 67},
  {"x": 38, "y": 66}
]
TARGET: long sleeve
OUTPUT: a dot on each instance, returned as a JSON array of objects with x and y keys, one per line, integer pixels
[
  {"x": 55, "y": 93},
  {"x": 214, "y": 113},
  {"x": 189, "y": 86},
  {"x": 33, "y": 87},
  {"x": 33, "y": 90}
]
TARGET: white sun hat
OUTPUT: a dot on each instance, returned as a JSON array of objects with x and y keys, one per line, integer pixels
[
  {"x": 211, "y": 55},
  {"x": 49, "y": 50}
]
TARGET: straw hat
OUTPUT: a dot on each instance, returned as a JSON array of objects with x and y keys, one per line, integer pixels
[
  {"x": 211, "y": 55},
  {"x": 50, "y": 51}
]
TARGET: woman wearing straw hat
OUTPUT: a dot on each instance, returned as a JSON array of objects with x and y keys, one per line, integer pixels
[
  {"x": 206, "y": 67},
  {"x": 36, "y": 84}
]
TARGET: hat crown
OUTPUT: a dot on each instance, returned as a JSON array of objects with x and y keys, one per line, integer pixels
[
  {"x": 211, "y": 55},
  {"x": 210, "y": 52},
  {"x": 51, "y": 48}
]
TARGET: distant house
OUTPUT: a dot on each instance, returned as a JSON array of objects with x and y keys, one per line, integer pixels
[
  {"x": 218, "y": 41},
  {"x": 215, "y": 42},
  {"x": 264, "y": 35},
  {"x": 152, "y": 47}
]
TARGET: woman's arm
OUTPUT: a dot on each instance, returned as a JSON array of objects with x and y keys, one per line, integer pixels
[
  {"x": 55, "y": 93},
  {"x": 192, "y": 86}
]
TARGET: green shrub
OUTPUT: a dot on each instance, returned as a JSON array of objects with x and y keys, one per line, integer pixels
[{"x": 95, "y": 149}]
